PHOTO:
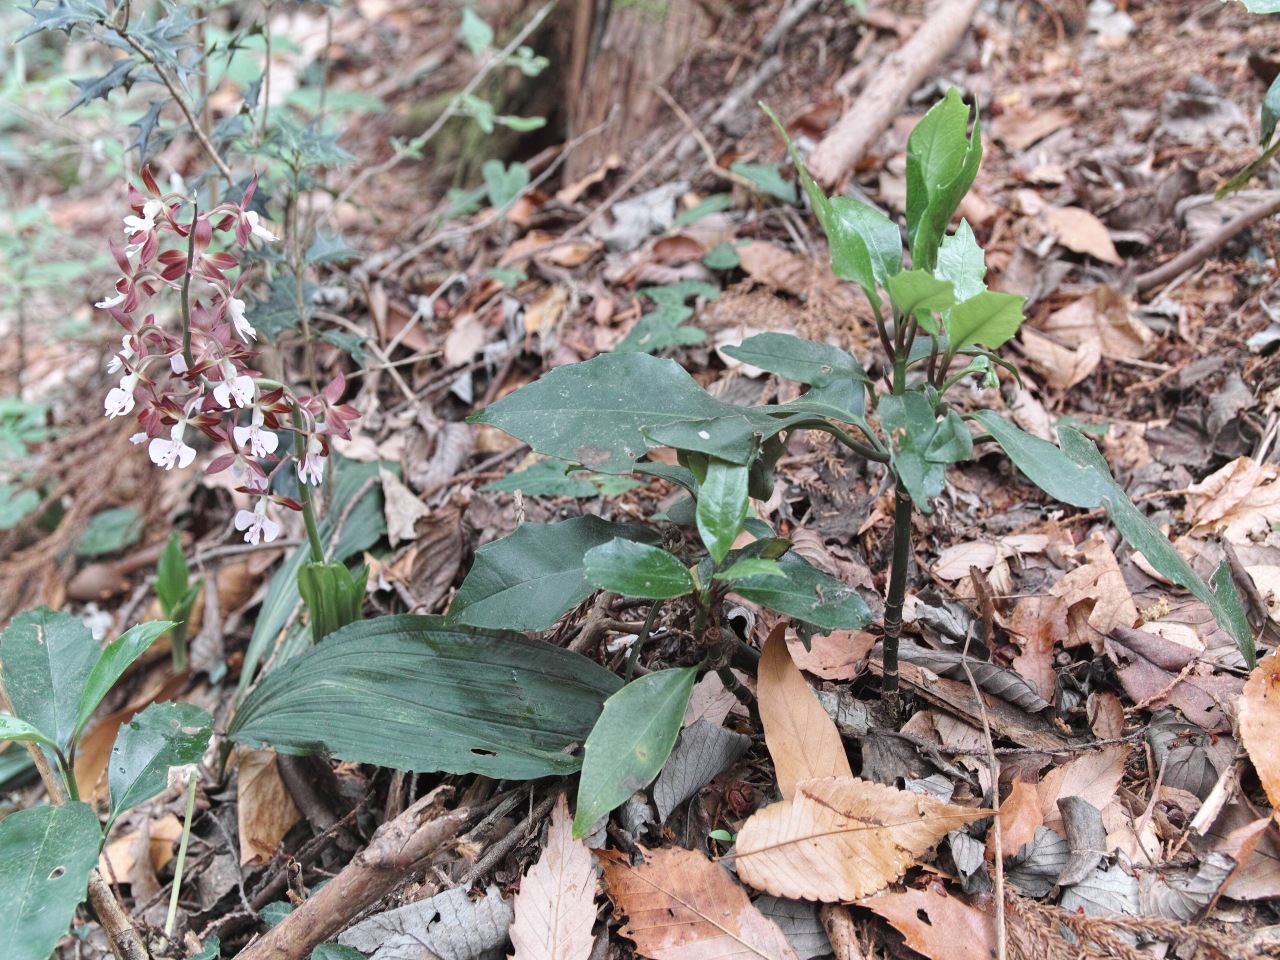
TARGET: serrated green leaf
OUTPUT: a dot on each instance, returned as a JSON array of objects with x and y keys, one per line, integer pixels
[
  {"x": 919, "y": 294},
  {"x": 212, "y": 949},
  {"x": 798, "y": 359},
  {"x": 942, "y": 161},
  {"x": 330, "y": 248},
  {"x": 48, "y": 853},
  {"x": 631, "y": 742},
  {"x": 637, "y": 570},
  {"x": 962, "y": 261},
  {"x": 1077, "y": 474},
  {"x": 494, "y": 702},
  {"x": 989, "y": 318},
  {"x": 910, "y": 427},
  {"x": 592, "y": 413},
  {"x": 722, "y": 506},
  {"x": 63, "y": 15},
  {"x": 15, "y": 728},
  {"x": 162, "y": 736},
  {"x": 804, "y": 592},
  {"x": 115, "y": 660},
  {"x": 531, "y": 578},
  {"x": 46, "y": 659},
  {"x": 98, "y": 88}
]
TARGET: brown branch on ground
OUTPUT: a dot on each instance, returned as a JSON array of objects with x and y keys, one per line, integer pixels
[
  {"x": 886, "y": 94},
  {"x": 1201, "y": 251},
  {"x": 395, "y": 850}
]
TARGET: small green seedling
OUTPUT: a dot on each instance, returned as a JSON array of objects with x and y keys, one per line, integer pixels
[{"x": 177, "y": 596}]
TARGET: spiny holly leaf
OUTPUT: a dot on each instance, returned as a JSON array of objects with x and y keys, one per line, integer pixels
[
  {"x": 99, "y": 87},
  {"x": 146, "y": 127},
  {"x": 63, "y": 15}
]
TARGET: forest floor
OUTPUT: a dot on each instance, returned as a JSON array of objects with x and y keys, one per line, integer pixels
[{"x": 1106, "y": 133}]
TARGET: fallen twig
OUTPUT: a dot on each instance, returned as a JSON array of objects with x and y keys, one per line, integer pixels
[
  {"x": 396, "y": 849},
  {"x": 886, "y": 94},
  {"x": 1194, "y": 254}
]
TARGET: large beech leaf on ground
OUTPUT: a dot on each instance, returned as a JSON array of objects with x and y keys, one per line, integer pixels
[
  {"x": 938, "y": 925},
  {"x": 592, "y": 412},
  {"x": 357, "y": 526},
  {"x": 451, "y": 926},
  {"x": 414, "y": 693},
  {"x": 802, "y": 740},
  {"x": 1077, "y": 474},
  {"x": 681, "y": 906},
  {"x": 1260, "y": 723},
  {"x": 46, "y": 659},
  {"x": 840, "y": 838},
  {"x": 942, "y": 161},
  {"x": 556, "y": 906},
  {"x": 529, "y": 579},
  {"x": 804, "y": 361},
  {"x": 637, "y": 570},
  {"x": 162, "y": 736},
  {"x": 806, "y": 593},
  {"x": 47, "y": 854},
  {"x": 630, "y": 742}
]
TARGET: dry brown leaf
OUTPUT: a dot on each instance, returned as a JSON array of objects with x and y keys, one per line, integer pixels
[
  {"x": 712, "y": 701},
  {"x": 555, "y": 908},
  {"x": 1098, "y": 587},
  {"x": 1081, "y": 231},
  {"x": 265, "y": 807},
  {"x": 781, "y": 269},
  {"x": 1093, "y": 776},
  {"x": 1039, "y": 624},
  {"x": 840, "y": 655},
  {"x": 1241, "y": 499},
  {"x": 1021, "y": 125},
  {"x": 465, "y": 340},
  {"x": 681, "y": 906},
  {"x": 841, "y": 838},
  {"x": 1260, "y": 723},
  {"x": 1019, "y": 816},
  {"x": 1102, "y": 315},
  {"x": 402, "y": 508},
  {"x": 117, "y": 858},
  {"x": 939, "y": 926},
  {"x": 1063, "y": 367},
  {"x": 545, "y": 311},
  {"x": 801, "y": 738}
]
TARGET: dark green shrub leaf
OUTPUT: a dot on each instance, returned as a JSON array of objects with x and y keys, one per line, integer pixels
[
  {"x": 1077, "y": 474},
  {"x": 920, "y": 294},
  {"x": 630, "y": 742},
  {"x": 531, "y": 578},
  {"x": 46, "y": 659},
  {"x": 334, "y": 597},
  {"x": 48, "y": 853},
  {"x": 592, "y": 412},
  {"x": 110, "y": 531},
  {"x": 952, "y": 443},
  {"x": 734, "y": 438},
  {"x": 767, "y": 180},
  {"x": 556, "y": 478},
  {"x": 804, "y": 361},
  {"x": 504, "y": 183},
  {"x": 14, "y": 728},
  {"x": 637, "y": 570},
  {"x": 752, "y": 567},
  {"x": 114, "y": 661},
  {"x": 334, "y": 951},
  {"x": 910, "y": 426},
  {"x": 989, "y": 318},
  {"x": 942, "y": 160},
  {"x": 362, "y": 525},
  {"x": 722, "y": 506},
  {"x": 15, "y": 504},
  {"x": 490, "y": 702},
  {"x": 723, "y": 256},
  {"x": 962, "y": 261},
  {"x": 804, "y": 592},
  {"x": 162, "y": 736},
  {"x": 844, "y": 400},
  {"x": 1270, "y": 112}
]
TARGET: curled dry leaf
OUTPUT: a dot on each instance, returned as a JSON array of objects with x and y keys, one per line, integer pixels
[
  {"x": 1096, "y": 591},
  {"x": 681, "y": 906},
  {"x": 266, "y": 808},
  {"x": 1020, "y": 815},
  {"x": 840, "y": 838},
  {"x": 801, "y": 738},
  {"x": 939, "y": 926},
  {"x": 555, "y": 908},
  {"x": 1241, "y": 499},
  {"x": 1260, "y": 722},
  {"x": 1081, "y": 231},
  {"x": 1093, "y": 776}
]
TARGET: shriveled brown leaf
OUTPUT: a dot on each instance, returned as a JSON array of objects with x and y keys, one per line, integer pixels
[
  {"x": 118, "y": 856},
  {"x": 781, "y": 269},
  {"x": 1238, "y": 501},
  {"x": 402, "y": 507},
  {"x": 1098, "y": 589},
  {"x": 1092, "y": 776},
  {"x": 1021, "y": 125},
  {"x": 544, "y": 313},
  {"x": 1081, "y": 231},
  {"x": 841, "y": 838},
  {"x": 1260, "y": 723},
  {"x": 1105, "y": 316},
  {"x": 555, "y": 908},
  {"x": 265, "y": 807},
  {"x": 1063, "y": 366},
  {"x": 1039, "y": 624},
  {"x": 681, "y": 906},
  {"x": 839, "y": 655},
  {"x": 939, "y": 926},
  {"x": 802, "y": 740}
]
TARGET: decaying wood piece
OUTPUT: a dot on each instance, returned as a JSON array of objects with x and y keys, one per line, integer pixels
[
  {"x": 887, "y": 92},
  {"x": 397, "y": 847}
]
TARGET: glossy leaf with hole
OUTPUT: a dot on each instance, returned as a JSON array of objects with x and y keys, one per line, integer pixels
[
  {"x": 637, "y": 570},
  {"x": 48, "y": 853},
  {"x": 630, "y": 743},
  {"x": 162, "y": 736},
  {"x": 533, "y": 576},
  {"x": 492, "y": 702}
]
